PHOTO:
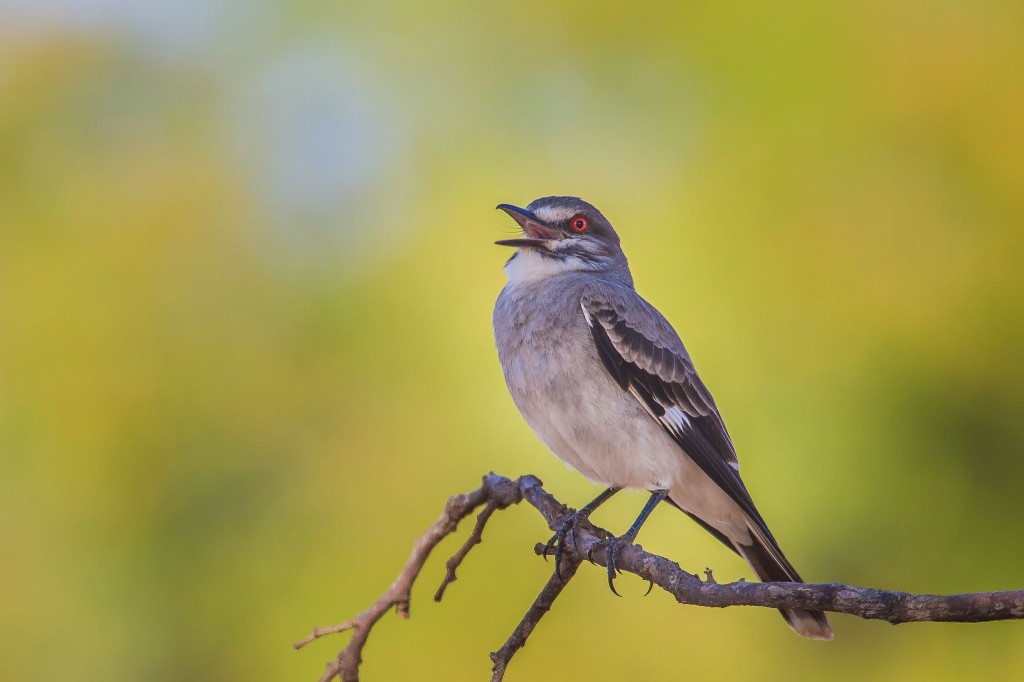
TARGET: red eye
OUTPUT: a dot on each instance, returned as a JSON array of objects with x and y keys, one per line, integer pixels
[{"x": 579, "y": 224}]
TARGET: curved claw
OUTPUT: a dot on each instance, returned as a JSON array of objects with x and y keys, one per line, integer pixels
[
  {"x": 570, "y": 532},
  {"x": 612, "y": 556},
  {"x": 613, "y": 547},
  {"x": 611, "y": 585},
  {"x": 611, "y": 568},
  {"x": 557, "y": 541},
  {"x": 547, "y": 548}
]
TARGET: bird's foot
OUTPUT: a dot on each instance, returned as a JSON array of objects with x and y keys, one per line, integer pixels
[
  {"x": 558, "y": 540},
  {"x": 613, "y": 548}
]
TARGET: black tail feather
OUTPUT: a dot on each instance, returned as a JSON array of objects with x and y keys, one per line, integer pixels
[{"x": 772, "y": 566}]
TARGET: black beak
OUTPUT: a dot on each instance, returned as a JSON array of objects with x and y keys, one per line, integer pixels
[{"x": 537, "y": 232}]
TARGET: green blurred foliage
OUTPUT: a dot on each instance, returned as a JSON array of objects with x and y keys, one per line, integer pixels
[{"x": 246, "y": 276}]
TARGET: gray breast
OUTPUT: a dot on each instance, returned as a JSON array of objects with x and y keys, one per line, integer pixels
[{"x": 557, "y": 381}]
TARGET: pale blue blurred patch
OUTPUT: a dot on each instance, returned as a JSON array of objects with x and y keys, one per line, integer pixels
[
  {"x": 186, "y": 28},
  {"x": 321, "y": 147},
  {"x": 311, "y": 133}
]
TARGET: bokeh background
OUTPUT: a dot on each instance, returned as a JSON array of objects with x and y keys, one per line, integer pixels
[{"x": 246, "y": 277}]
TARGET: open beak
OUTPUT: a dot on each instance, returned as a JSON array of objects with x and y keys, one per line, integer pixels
[{"x": 537, "y": 233}]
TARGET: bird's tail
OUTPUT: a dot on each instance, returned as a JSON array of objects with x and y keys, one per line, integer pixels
[{"x": 770, "y": 565}]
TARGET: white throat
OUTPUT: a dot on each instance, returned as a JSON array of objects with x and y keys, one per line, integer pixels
[{"x": 530, "y": 266}]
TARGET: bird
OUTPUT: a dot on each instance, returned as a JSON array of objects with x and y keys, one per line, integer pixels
[{"x": 604, "y": 380}]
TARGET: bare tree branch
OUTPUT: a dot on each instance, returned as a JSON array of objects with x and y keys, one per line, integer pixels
[
  {"x": 498, "y": 492},
  {"x": 475, "y": 538},
  {"x": 541, "y": 605}
]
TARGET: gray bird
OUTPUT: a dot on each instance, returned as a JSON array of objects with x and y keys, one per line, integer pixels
[{"x": 604, "y": 381}]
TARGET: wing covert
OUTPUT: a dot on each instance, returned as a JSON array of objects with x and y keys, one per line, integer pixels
[{"x": 645, "y": 357}]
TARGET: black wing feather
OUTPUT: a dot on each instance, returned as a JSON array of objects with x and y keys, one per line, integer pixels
[{"x": 704, "y": 438}]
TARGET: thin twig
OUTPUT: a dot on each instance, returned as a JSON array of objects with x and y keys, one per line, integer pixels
[
  {"x": 475, "y": 538},
  {"x": 495, "y": 490},
  {"x": 589, "y": 541},
  {"x": 541, "y": 605},
  {"x": 324, "y": 630}
]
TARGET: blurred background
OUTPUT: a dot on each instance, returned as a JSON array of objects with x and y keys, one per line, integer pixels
[{"x": 246, "y": 278}]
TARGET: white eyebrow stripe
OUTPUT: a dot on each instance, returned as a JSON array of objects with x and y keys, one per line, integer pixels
[{"x": 554, "y": 214}]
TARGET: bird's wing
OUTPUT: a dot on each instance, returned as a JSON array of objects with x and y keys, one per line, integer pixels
[{"x": 645, "y": 356}]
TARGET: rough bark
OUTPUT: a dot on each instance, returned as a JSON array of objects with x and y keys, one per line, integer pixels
[{"x": 498, "y": 492}]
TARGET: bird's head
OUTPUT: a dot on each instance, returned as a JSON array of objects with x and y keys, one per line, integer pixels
[{"x": 560, "y": 235}]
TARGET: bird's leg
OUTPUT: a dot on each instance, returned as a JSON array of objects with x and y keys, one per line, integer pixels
[
  {"x": 615, "y": 544},
  {"x": 558, "y": 539}
]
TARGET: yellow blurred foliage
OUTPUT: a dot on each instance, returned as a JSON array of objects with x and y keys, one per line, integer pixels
[{"x": 246, "y": 276}]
